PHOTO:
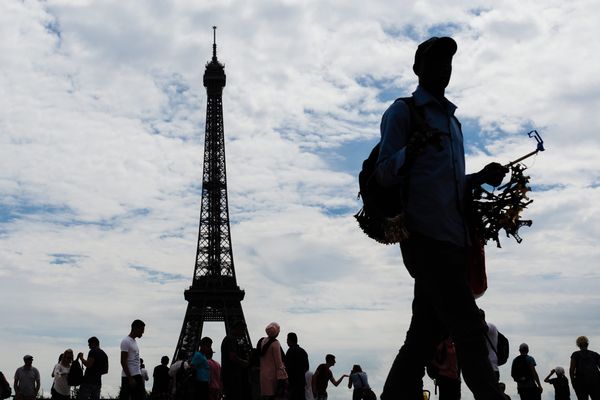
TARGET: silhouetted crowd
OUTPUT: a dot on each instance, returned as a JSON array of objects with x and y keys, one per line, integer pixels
[{"x": 266, "y": 372}]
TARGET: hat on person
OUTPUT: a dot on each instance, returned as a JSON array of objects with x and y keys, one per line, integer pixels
[
  {"x": 27, "y": 357},
  {"x": 441, "y": 45}
]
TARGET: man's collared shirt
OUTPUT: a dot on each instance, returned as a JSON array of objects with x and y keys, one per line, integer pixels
[{"x": 436, "y": 178}]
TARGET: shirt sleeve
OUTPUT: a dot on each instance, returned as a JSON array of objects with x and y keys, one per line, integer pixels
[{"x": 395, "y": 129}]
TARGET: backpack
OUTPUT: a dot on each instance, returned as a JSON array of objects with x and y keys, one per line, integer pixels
[
  {"x": 382, "y": 214},
  {"x": 75, "y": 376},
  {"x": 586, "y": 369},
  {"x": 5, "y": 389},
  {"x": 502, "y": 350},
  {"x": 520, "y": 370}
]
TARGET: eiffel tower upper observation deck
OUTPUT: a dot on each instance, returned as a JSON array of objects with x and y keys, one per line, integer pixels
[{"x": 214, "y": 294}]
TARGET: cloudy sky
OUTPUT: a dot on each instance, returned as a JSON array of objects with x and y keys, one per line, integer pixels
[{"x": 102, "y": 113}]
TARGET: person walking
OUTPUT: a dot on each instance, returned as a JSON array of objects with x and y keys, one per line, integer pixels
[
  {"x": 132, "y": 383},
  {"x": 273, "y": 376},
  {"x": 60, "y": 387},
  {"x": 296, "y": 365},
  {"x": 27, "y": 380},
  {"x": 436, "y": 252},
  {"x": 584, "y": 372},
  {"x": 560, "y": 383},
  {"x": 96, "y": 365},
  {"x": 524, "y": 373}
]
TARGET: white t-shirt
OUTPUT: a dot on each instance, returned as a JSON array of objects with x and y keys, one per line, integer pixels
[
  {"x": 129, "y": 345},
  {"x": 493, "y": 335},
  {"x": 61, "y": 385}
]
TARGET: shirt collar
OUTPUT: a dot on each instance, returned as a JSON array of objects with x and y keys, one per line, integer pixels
[{"x": 423, "y": 97}]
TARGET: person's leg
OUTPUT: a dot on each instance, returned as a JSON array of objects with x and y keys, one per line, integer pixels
[
  {"x": 580, "y": 392},
  {"x": 405, "y": 378},
  {"x": 95, "y": 395},
  {"x": 125, "y": 392}
]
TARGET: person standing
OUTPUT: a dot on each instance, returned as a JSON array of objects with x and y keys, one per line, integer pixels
[
  {"x": 584, "y": 372},
  {"x": 323, "y": 376},
  {"x": 96, "y": 365},
  {"x": 60, "y": 387},
  {"x": 27, "y": 380},
  {"x": 160, "y": 380},
  {"x": 560, "y": 383},
  {"x": 524, "y": 373},
  {"x": 296, "y": 365},
  {"x": 132, "y": 383},
  {"x": 435, "y": 254},
  {"x": 492, "y": 344},
  {"x": 273, "y": 375},
  {"x": 202, "y": 369},
  {"x": 234, "y": 364}
]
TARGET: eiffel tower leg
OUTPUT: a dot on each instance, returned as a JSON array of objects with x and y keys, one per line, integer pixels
[{"x": 191, "y": 331}]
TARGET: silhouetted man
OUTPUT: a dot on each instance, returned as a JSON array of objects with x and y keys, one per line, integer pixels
[
  {"x": 296, "y": 365},
  {"x": 323, "y": 376},
  {"x": 96, "y": 365},
  {"x": 435, "y": 254},
  {"x": 27, "y": 380},
  {"x": 132, "y": 383}
]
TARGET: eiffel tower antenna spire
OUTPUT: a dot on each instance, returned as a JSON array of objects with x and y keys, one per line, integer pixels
[
  {"x": 214, "y": 57},
  {"x": 214, "y": 294}
]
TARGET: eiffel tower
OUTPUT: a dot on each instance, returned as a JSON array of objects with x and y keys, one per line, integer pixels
[{"x": 214, "y": 294}]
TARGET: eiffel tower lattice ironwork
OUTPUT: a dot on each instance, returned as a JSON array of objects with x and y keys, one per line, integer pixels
[{"x": 214, "y": 294}]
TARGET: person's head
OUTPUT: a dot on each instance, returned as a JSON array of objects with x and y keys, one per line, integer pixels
[
  {"x": 164, "y": 360},
  {"x": 433, "y": 63},
  {"x": 582, "y": 342},
  {"x": 523, "y": 348},
  {"x": 356, "y": 368},
  {"x": 273, "y": 330},
  {"x": 142, "y": 363},
  {"x": 502, "y": 386},
  {"x": 28, "y": 360},
  {"x": 237, "y": 328},
  {"x": 292, "y": 339},
  {"x": 67, "y": 357},
  {"x": 137, "y": 328},
  {"x": 330, "y": 360},
  {"x": 205, "y": 345},
  {"x": 93, "y": 342},
  {"x": 560, "y": 371}
]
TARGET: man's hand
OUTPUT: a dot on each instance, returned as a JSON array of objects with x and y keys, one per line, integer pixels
[{"x": 492, "y": 174}]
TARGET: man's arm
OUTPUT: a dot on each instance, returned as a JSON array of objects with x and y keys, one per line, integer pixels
[
  {"x": 395, "y": 127},
  {"x": 536, "y": 377},
  {"x": 89, "y": 362},
  {"x": 547, "y": 379},
  {"x": 335, "y": 383},
  {"x": 37, "y": 385},
  {"x": 126, "y": 368},
  {"x": 572, "y": 370}
]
